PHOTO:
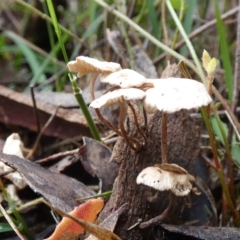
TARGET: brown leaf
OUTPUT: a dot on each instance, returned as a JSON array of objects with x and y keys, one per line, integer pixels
[
  {"x": 95, "y": 159},
  {"x": 60, "y": 190},
  {"x": 14, "y": 104},
  {"x": 206, "y": 233},
  {"x": 111, "y": 221}
]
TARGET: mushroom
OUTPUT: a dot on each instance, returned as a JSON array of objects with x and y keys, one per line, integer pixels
[
  {"x": 167, "y": 177},
  {"x": 125, "y": 78},
  {"x": 170, "y": 95},
  {"x": 85, "y": 65},
  {"x": 122, "y": 97}
]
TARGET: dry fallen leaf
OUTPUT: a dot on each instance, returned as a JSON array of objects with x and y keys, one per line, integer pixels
[
  {"x": 111, "y": 221},
  {"x": 95, "y": 159},
  {"x": 67, "y": 229},
  {"x": 98, "y": 231},
  {"x": 60, "y": 190}
]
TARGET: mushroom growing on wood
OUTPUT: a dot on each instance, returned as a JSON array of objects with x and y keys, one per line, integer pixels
[
  {"x": 170, "y": 95},
  {"x": 167, "y": 177},
  {"x": 122, "y": 98}
]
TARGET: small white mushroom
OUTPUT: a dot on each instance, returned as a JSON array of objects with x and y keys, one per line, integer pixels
[
  {"x": 121, "y": 97},
  {"x": 167, "y": 177},
  {"x": 117, "y": 96},
  {"x": 125, "y": 78},
  {"x": 85, "y": 65},
  {"x": 13, "y": 146},
  {"x": 173, "y": 94}
]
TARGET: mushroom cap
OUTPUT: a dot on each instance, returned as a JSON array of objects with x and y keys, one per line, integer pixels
[
  {"x": 173, "y": 94},
  {"x": 170, "y": 177},
  {"x": 85, "y": 65},
  {"x": 125, "y": 78},
  {"x": 117, "y": 96}
]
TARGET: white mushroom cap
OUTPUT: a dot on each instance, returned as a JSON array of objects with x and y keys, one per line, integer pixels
[
  {"x": 173, "y": 94},
  {"x": 170, "y": 177},
  {"x": 13, "y": 146},
  {"x": 125, "y": 78},
  {"x": 85, "y": 65},
  {"x": 117, "y": 96}
]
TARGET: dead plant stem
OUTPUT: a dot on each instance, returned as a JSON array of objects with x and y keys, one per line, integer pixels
[{"x": 11, "y": 222}]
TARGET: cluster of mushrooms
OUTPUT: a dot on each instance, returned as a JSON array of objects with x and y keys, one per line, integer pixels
[{"x": 168, "y": 95}]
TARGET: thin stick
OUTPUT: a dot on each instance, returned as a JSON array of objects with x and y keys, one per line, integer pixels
[
  {"x": 237, "y": 65},
  {"x": 161, "y": 217},
  {"x": 41, "y": 133},
  {"x": 164, "y": 149},
  {"x": 58, "y": 155},
  {"x": 92, "y": 84},
  {"x": 11, "y": 222},
  {"x": 35, "y": 109},
  {"x": 227, "y": 108}
]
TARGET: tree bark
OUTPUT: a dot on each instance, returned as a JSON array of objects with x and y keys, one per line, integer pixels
[{"x": 183, "y": 148}]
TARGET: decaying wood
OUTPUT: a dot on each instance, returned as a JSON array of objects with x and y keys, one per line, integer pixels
[
  {"x": 183, "y": 149},
  {"x": 17, "y": 109}
]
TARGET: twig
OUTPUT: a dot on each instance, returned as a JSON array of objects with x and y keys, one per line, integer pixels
[
  {"x": 11, "y": 222},
  {"x": 237, "y": 65},
  {"x": 35, "y": 109},
  {"x": 227, "y": 108},
  {"x": 161, "y": 217},
  {"x": 41, "y": 133},
  {"x": 58, "y": 155}
]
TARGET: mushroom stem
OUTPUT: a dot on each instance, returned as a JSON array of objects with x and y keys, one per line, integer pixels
[
  {"x": 100, "y": 116},
  {"x": 145, "y": 119},
  {"x": 105, "y": 121},
  {"x": 130, "y": 141},
  {"x": 92, "y": 83},
  {"x": 164, "y": 149},
  {"x": 137, "y": 125},
  {"x": 146, "y": 86},
  {"x": 160, "y": 217}
]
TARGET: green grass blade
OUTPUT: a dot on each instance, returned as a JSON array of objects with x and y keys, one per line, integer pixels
[
  {"x": 77, "y": 91},
  {"x": 28, "y": 54},
  {"x": 5, "y": 227},
  {"x": 153, "y": 18},
  {"x": 57, "y": 28},
  {"x": 188, "y": 21},
  {"x": 224, "y": 52}
]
